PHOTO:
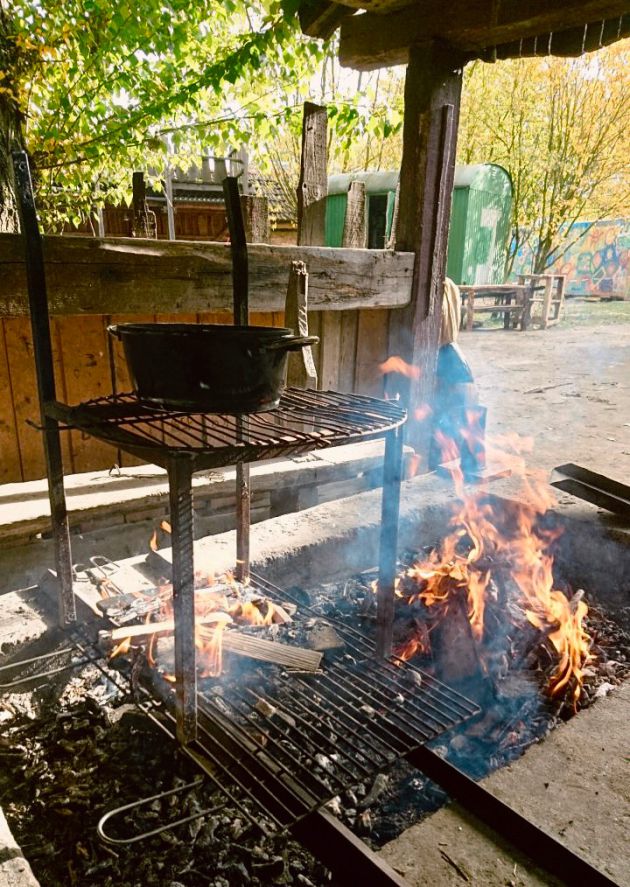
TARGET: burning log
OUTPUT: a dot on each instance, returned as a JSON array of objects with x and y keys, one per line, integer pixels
[
  {"x": 297, "y": 658},
  {"x": 454, "y": 648}
]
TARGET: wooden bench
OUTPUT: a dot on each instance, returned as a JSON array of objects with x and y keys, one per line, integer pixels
[
  {"x": 546, "y": 290},
  {"x": 508, "y": 299}
]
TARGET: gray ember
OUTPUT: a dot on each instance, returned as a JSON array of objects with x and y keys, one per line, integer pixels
[{"x": 70, "y": 764}]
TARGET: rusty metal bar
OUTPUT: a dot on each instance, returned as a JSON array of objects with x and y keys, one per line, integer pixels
[
  {"x": 45, "y": 374},
  {"x": 240, "y": 283},
  {"x": 243, "y": 520},
  {"x": 392, "y": 475},
  {"x": 348, "y": 857},
  {"x": 592, "y": 487},
  {"x": 181, "y": 507}
]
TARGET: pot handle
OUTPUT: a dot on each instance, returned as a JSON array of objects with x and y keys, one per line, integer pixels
[
  {"x": 114, "y": 330},
  {"x": 293, "y": 343}
]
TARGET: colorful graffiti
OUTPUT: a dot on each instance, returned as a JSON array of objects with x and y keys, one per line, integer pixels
[{"x": 598, "y": 263}]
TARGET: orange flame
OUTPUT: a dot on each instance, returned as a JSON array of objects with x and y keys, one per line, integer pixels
[
  {"x": 396, "y": 364},
  {"x": 219, "y": 600},
  {"x": 153, "y": 542},
  {"x": 422, "y": 412},
  {"x": 486, "y": 540}
]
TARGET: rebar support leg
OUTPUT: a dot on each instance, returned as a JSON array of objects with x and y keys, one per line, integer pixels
[
  {"x": 59, "y": 521},
  {"x": 392, "y": 475},
  {"x": 243, "y": 518},
  {"x": 45, "y": 374},
  {"x": 180, "y": 495},
  {"x": 243, "y": 515}
]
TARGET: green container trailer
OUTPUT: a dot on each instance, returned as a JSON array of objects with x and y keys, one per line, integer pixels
[{"x": 480, "y": 218}]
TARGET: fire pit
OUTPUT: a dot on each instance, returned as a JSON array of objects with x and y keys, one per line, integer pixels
[
  {"x": 286, "y": 742},
  {"x": 294, "y": 720}
]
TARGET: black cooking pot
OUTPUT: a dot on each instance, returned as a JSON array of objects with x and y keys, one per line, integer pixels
[{"x": 208, "y": 367}]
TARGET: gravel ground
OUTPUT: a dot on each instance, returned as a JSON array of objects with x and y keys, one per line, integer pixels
[{"x": 568, "y": 386}]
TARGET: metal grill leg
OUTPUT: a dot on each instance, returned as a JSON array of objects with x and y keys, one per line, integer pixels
[
  {"x": 243, "y": 518},
  {"x": 59, "y": 520},
  {"x": 243, "y": 515},
  {"x": 392, "y": 475},
  {"x": 180, "y": 494}
]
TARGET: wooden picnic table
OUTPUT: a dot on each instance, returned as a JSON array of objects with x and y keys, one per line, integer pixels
[{"x": 517, "y": 301}]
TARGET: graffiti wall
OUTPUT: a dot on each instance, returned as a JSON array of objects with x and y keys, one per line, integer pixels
[{"x": 597, "y": 264}]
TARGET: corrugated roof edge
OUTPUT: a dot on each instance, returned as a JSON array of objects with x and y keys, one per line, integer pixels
[{"x": 378, "y": 182}]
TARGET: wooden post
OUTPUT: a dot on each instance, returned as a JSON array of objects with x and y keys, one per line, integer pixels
[
  {"x": 432, "y": 100},
  {"x": 311, "y": 195},
  {"x": 391, "y": 241},
  {"x": 313, "y": 185},
  {"x": 547, "y": 297},
  {"x": 301, "y": 372},
  {"x": 354, "y": 230},
  {"x": 354, "y": 237},
  {"x": 256, "y": 216},
  {"x": 140, "y": 223}
]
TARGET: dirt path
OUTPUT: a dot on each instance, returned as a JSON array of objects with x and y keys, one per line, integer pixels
[{"x": 568, "y": 386}]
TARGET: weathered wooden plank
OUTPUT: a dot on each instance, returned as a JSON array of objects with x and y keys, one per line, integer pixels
[
  {"x": 90, "y": 275},
  {"x": 376, "y": 40},
  {"x": 87, "y": 374},
  {"x": 256, "y": 218},
  {"x": 67, "y": 455},
  {"x": 10, "y": 464},
  {"x": 354, "y": 228},
  {"x": 313, "y": 184},
  {"x": 301, "y": 371},
  {"x": 330, "y": 349},
  {"x": 372, "y": 350},
  {"x": 348, "y": 350},
  {"x": 120, "y": 372},
  {"x": 21, "y": 362}
]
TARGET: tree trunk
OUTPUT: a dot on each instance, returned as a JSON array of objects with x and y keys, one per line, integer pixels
[{"x": 11, "y": 137}]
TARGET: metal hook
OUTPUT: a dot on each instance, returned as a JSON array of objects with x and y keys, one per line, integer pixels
[{"x": 108, "y": 839}]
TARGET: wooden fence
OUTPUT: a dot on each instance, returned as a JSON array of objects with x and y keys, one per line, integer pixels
[{"x": 90, "y": 363}]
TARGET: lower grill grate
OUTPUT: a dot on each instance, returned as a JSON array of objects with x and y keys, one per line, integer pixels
[
  {"x": 283, "y": 742},
  {"x": 295, "y": 741}
]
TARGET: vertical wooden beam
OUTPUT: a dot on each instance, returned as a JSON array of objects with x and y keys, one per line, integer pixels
[
  {"x": 313, "y": 185},
  {"x": 354, "y": 230},
  {"x": 432, "y": 101},
  {"x": 547, "y": 297},
  {"x": 140, "y": 225},
  {"x": 311, "y": 195},
  {"x": 301, "y": 372},
  {"x": 256, "y": 215}
]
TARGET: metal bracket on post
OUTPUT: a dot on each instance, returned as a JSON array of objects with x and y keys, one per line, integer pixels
[
  {"x": 385, "y": 600},
  {"x": 44, "y": 369},
  {"x": 181, "y": 506}
]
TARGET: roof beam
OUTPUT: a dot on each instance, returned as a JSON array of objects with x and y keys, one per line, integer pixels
[
  {"x": 571, "y": 43},
  {"x": 373, "y": 40},
  {"x": 320, "y": 18}
]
